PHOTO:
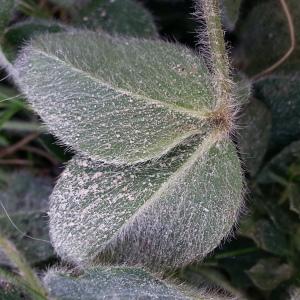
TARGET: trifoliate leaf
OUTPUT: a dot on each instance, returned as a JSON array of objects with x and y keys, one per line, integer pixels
[
  {"x": 116, "y": 99},
  {"x": 230, "y": 12},
  {"x": 268, "y": 273},
  {"x": 117, "y": 283},
  {"x": 281, "y": 93},
  {"x": 164, "y": 213},
  {"x": 126, "y": 17},
  {"x": 254, "y": 134}
]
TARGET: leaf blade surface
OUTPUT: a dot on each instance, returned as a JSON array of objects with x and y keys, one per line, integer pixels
[{"x": 120, "y": 101}]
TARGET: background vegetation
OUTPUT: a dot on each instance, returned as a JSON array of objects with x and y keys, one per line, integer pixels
[{"x": 262, "y": 260}]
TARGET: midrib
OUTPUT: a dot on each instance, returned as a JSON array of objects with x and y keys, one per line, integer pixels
[
  {"x": 208, "y": 141},
  {"x": 191, "y": 113}
]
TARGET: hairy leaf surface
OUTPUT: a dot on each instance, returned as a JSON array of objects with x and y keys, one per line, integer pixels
[
  {"x": 110, "y": 283},
  {"x": 115, "y": 99},
  {"x": 162, "y": 213},
  {"x": 119, "y": 283}
]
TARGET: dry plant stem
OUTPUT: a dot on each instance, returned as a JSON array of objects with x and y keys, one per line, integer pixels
[
  {"x": 12, "y": 149},
  {"x": 16, "y": 162},
  {"x": 291, "y": 27},
  {"x": 41, "y": 153},
  {"x": 42, "y": 3},
  {"x": 219, "y": 64},
  {"x": 25, "y": 270}
]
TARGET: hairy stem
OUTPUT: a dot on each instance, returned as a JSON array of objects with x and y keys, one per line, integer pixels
[
  {"x": 209, "y": 11},
  {"x": 15, "y": 147},
  {"x": 215, "y": 35}
]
